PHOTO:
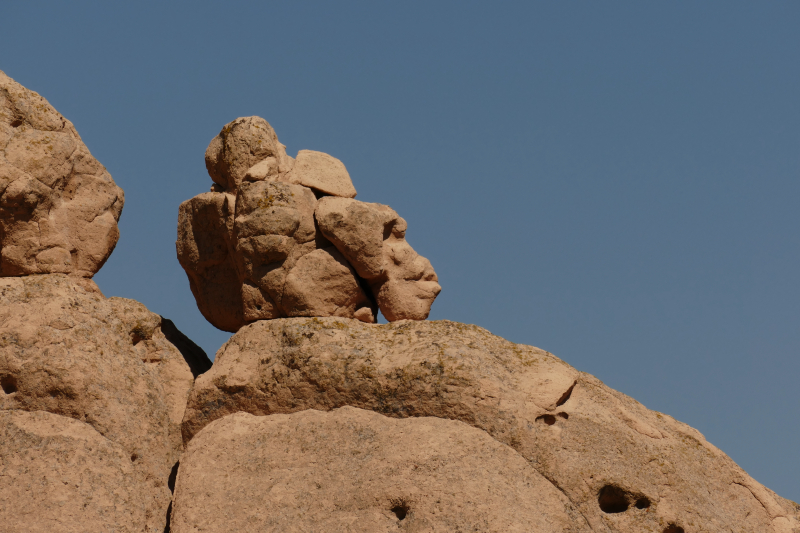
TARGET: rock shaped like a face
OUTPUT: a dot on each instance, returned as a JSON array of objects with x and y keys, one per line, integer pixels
[
  {"x": 59, "y": 206},
  {"x": 359, "y": 471},
  {"x": 372, "y": 238}
]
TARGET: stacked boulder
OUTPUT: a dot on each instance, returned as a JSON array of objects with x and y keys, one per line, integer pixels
[
  {"x": 281, "y": 237},
  {"x": 92, "y": 389}
]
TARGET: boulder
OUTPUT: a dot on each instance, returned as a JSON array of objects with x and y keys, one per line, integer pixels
[
  {"x": 624, "y": 468},
  {"x": 359, "y": 471},
  {"x": 242, "y": 144},
  {"x": 106, "y": 362},
  {"x": 59, "y": 206},
  {"x": 258, "y": 255},
  {"x": 372, "y": 238},
  {"x": 321, "y": 172},
  {"x": 60, "y": 474}
]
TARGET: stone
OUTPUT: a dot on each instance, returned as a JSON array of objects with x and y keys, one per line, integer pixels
[
  {"x": 106, "y": 362},
  {"x": 372, "y": 239},
  {"x": 205, "y": 251},
  {"x": 321, "y": 172},
  {"x": 240, "y": 145},
  {"x": 59, "y": 207},
  {"x": 258, "y": 256},
  {"x": 356, "y": 470},
  {"x": 623, "y": 467},
  {"x": 60, "y": 474}
]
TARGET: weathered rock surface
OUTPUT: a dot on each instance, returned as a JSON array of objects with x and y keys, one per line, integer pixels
[
  {"x": 258, "y": 255},
  {"x": 321, "y": 172},
  {"x": 359, "y": 471},
  {"x": 68, "y": 350},
  {"x": 59, "y": 206},
  {"x": 252, "y": 250},
  {"x": 624, "y": 468},
  {"x": 372, "y": 238},
  {"x": 59, "y": 474}
]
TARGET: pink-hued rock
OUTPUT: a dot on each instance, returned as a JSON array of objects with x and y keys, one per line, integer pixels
[
  {"x": 626, "y": 469},
  {"x": 107, "y": 362},
  {"x": 258, "y": 256},
  {"x": 359, "y": 471},
  {"x": 372, "y": 238},
  {"x": 59, "y": 206},
  {"x": 321, "y": 172},
  {"x": 242, "y": 144},
  {"x": 60, "y": 474},
  {"x": 205, "y": 251}
]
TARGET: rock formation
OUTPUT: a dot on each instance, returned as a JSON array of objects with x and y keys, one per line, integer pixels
[
  {"x": 621, "y": 467},
  {"x": 92, "y": 389},
  {"x": 59, "y": 206},
  {"x": 278, "y": 237},
  {"x": 313, "y": 417}
]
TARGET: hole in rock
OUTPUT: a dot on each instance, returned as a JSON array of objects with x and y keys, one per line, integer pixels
[
  {"x": 400, "y": 510},
  {"x": 546, "y": 419},
  {"x": 672, "y": 528},
  {"x": 613, "y": 499},
  {"x": 134, "y": 456},
  {"x": 16, "y": 123},
  {"x": 9, "y": 384},
  {"x": 563, "y": 415},
  {"x": 642, "y": 503},
  {"x": 566, "y": 395},
  {"x": 172, "y": 476}
]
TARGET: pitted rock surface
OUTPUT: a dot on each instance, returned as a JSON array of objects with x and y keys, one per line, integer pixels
[
  {"x": 59, "y": 206},
  {"x": 106, "y": 362},
  {"x": 359, "y": 471},
  {"x": 625, "y": 468},
  {"x": 60, "y": 474}
]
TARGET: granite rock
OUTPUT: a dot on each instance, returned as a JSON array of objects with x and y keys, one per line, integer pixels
[
  {"x": 623, "y": 467},
  {"x": 59, "y": 206}
]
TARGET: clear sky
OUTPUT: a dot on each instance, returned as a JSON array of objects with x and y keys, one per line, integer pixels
[{"x": 616, "y": 183}]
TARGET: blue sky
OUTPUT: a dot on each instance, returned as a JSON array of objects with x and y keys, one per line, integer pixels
[{"x": 616, "y": 183}]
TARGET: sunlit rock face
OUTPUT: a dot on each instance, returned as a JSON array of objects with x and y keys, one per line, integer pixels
[
  {"x": 280, "y": 237},
  {"x": 59, "y": 206}
]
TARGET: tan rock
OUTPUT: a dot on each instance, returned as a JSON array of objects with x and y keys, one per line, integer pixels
[
  {"x": 59, "y": 206},
  {"x": 245, "y": 257},
  {"x": 206, "y": 253},
  {"x": 321, "y": 172},
  {"x": 372, "y": 238},
  {"x": 242, "y": 144},
  {"x": 68, "y": 350},
  {"x": 59, "y": 474},
  {"x": 625, "y": 468},
  {"x": 354, "y": 470}
]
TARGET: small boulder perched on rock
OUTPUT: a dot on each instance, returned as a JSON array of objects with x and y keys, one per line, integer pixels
[
  {"x": 59, "y": 206},
  {"x": 280, "y": 237}
]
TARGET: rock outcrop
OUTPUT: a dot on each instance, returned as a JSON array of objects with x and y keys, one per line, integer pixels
[
  {"x": 623, "y": 467},
  {"x": 253, "y": 250},
  {"x": 67, "y": 350},
  {"x": 59, "y": 206},
  {"x": 92, "y": 389},
  {"x": 355, "y": 470}
]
